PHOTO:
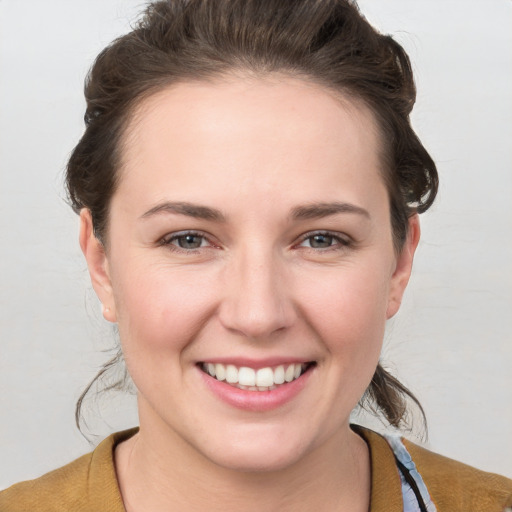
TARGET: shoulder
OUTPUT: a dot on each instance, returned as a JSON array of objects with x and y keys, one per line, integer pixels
[
  {"x": 81, "y": 486},
  {"x": 456, "y": 486},
  {"x": 62, "y": 489},
  {"x": 451, "y": 485}
]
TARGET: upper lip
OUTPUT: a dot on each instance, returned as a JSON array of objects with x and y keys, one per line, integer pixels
[{"x": 256, "y": 363}]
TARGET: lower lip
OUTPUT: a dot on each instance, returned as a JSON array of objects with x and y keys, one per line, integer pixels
[{"x": 256, "y": 400}]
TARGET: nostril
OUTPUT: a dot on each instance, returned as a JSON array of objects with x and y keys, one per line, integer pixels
[{"x": 257, "y": 308}]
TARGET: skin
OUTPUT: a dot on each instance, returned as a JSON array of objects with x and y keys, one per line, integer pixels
[{"x": 258, "y": 286}]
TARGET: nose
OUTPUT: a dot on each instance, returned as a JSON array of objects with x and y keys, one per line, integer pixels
[{"x": 256, "y": 300}]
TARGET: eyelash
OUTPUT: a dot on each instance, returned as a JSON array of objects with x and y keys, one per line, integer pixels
[
  {"x": 168, "y": 241},
  {"x": 341, "y": 241}
]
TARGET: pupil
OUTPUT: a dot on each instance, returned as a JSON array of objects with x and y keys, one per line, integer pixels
[
  {"x": 321, "y": 241},
  {"x": 189, "y": 242}
]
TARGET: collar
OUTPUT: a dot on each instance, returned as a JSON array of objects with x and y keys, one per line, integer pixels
[{"x": 386, "y": 493}]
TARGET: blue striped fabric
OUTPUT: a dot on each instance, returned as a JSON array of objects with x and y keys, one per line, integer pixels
[{"x": 411, "y": 503}]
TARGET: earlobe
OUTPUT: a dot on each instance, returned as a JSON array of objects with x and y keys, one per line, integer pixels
[
  {"x": 403, "y": 268},
  {"x": 97, "y": 262}
]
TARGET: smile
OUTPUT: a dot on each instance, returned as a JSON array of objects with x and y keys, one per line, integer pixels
[{"x": 249, "y": 379}]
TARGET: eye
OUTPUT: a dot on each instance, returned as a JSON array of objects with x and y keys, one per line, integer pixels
[
  {"x": 188, "y": 240},
  {"x": 323, "y": 240}
]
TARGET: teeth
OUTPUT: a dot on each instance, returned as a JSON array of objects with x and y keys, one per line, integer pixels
[
  {"x": 246, "y": 376},
  {"x": 279, "y": 375},
  {"x": 264, "y": 379},
  {"x": 220, "y": 372},
  {"x": 231, "y": 374},
  {"x": 288, "y": 374}
]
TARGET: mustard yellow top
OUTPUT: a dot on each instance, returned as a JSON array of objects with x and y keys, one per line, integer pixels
[{"x": 89, "y": 483}]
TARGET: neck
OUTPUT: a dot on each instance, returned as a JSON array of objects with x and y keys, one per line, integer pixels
[{"x": 158, "y": 470}]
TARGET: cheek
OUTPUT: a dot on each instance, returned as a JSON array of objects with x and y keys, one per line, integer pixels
[
  {"x": 162, "y": 307},
  {"x": 348, "y": 308}
]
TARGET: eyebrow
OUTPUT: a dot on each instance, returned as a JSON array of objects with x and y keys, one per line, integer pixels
[
  {"x": 319, "y": 210},
  {"x": 303, "y": 212},
  {"x": 188, "y": 209}
]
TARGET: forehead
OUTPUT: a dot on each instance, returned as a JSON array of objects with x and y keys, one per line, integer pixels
[{"x": 259, "y": 133}]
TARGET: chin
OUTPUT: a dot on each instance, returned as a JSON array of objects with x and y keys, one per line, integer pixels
[
  {"x": 261, "y": 453},
  {"x": 255, "y": 460}
]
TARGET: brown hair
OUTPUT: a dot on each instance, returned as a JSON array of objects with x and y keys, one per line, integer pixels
[{"x": 325, "y": 41}]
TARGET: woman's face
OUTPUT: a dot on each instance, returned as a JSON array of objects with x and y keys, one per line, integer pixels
[{"x": 250, "y": 236}]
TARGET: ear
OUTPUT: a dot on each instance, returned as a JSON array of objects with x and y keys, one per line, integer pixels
[
  {"x": 97, "y": 261},
  {"x": 403, "y": 267}
]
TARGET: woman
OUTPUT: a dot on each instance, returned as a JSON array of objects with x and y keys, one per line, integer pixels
[{"x": 249, "y": 188}]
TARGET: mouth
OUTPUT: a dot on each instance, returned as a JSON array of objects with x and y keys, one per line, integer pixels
[{"x": 261, "y": 379}]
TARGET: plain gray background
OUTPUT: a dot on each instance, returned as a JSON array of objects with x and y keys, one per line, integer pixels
[{"x": 451, "y": 342}]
